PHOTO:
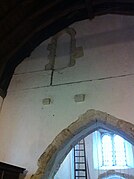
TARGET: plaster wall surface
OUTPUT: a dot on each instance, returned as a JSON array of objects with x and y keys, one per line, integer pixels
[{"x": 105, "y": 74}]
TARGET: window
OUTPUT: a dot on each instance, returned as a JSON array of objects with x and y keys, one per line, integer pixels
[{"x": 111, "y": 151}]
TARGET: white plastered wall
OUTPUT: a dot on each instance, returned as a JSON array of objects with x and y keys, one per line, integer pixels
[{"x": 105, "y": 74}]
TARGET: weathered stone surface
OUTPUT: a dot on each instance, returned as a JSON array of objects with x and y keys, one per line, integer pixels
[
  {"x": 111, "y": 172},
  {"x": 50, "y": 160}
]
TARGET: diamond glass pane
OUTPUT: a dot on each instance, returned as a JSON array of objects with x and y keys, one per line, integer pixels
[
  {"x": 107, "y": 150},
  {"x": 119, "y": 151}
]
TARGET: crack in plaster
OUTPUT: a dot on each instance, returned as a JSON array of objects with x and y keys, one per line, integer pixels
[{"x": 76, "y": 82}]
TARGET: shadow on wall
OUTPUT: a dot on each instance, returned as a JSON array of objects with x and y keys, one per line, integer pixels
[
  {"x": 24, "y": 175},
  {"x": 122, "y": 35},
  {"x": 118, "y": 36}
]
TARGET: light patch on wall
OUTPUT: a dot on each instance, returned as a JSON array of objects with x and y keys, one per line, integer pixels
[{"x": 79, "y": 98}]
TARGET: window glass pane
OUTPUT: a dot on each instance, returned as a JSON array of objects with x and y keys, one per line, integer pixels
[
  {"x": 119, "y": 151},
  {"x": 129, "y": 154},
  {"x": 107, "y": 150}
]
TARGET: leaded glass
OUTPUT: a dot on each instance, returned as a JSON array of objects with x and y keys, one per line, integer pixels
[
  {"x": 119, "y": 151},
  {"x": 107, "y": 150}
]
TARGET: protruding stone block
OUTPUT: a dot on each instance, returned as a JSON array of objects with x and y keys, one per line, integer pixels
[
  {"x": 79, "y": 98},
  {"x": 46, "y": 101}
]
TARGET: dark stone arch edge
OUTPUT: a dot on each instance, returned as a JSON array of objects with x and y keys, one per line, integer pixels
[
  {"x": 50, "y": 160},
  {"x": 2, "y": 93}
]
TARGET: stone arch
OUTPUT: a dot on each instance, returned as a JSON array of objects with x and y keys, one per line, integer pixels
[
  {"x": 113, "y": 172},
  {"x": 50, "y": 160}
]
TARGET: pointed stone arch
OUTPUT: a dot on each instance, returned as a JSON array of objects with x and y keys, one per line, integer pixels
[{"x": 50, "y": 160}]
